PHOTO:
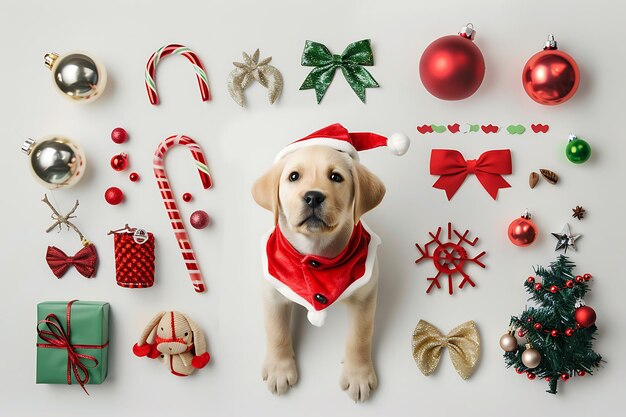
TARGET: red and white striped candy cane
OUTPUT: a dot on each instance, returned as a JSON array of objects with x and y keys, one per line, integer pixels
[
  {"x": 170, "y": 203},
  {"x": 175, "y": 49}
]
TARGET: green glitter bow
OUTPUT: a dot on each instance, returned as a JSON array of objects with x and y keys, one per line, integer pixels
[{"x": 351, "y": 61}]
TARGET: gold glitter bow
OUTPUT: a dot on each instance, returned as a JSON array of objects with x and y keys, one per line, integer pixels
[
  {"x": 463, "y": 342},
  {"x": 251, "y": 69}
]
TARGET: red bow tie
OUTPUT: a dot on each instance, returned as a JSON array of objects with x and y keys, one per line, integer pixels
[
  {"x": 84, "y": 261},
  {"x": 453, "y": 168}
]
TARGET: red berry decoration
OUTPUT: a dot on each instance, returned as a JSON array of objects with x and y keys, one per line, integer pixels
[
  {"x": 199, "y": 219},
  {"x": 564, "y": 377},
  {"x": 119, "y": 162},
  {"x": 581, "y": 373},
  {"x": 519, "y": 371},
  {"x": 554, "y": 289},
  {"x": 113, "y": 196},
  {"x": 521, "y": 333},
  {"x": 530, "y": 280},
  {"x": 187, "y": 197},
  {"x": 569, "y": 332},
  {"x": 538, "y": 286},
  {"x": 587, "y": 277},
  {"x": 550, "y": 77},
  {"x": 134, "y": 177},
  {"x": 452, "y": 67},
  {"x": 585, "y": 316},
  {"x": 548, "y": 379},
  {"x": 537, "y": 326},
  {"x": 569, "y": 283},
  {"x": 530, "y": 375},
  {"x": 579, "y": 279},
  {"x": 119, "y": 135},
  {"x": 554, "y": 333}
]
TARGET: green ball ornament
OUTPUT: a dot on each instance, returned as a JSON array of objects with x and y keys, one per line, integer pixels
[{"x": 577, "y": 150}]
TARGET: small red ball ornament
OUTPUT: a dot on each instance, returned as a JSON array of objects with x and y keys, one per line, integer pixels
[
  {"x": 519, "y": 371},
  {"x": 554, "y": 333},
  {"x": 187, "y": 197},
  {"x": 199, "y": 219},
  {"x": 587, "y": 277},
  {"x": 530, "y": 280},
  {"x": 119, "y": 135},
  {"x": 522, "y": 231},
  {"x": 452, "y": 67},
  {"x": 581, "y": 373},
  {"x": 530, "y": 375},
  {"x": 119, "y": 162},
  {"x": 537, "y": 326},
  {"x": 551, "y": 76},
  {"x": 113, "y": 196},
  {"x": 554, "y": 289},
  {"x": 564, "y": 377},
  {"x": 579, "y": 279},
  {"x": 548, "y": 379},
  {"x": 569, "y": 283},
  {"x": 134, "y": 177},
  {"x": 521, "y": 333},
  {"x": 538, "y": 286},
  {"x": 585, "y": 316},
  {"x": 569, "y": 332}
]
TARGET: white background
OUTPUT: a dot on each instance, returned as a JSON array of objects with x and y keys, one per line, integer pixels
[{"x": 240, "y": 145}]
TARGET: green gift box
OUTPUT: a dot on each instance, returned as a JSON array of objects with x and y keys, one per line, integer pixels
[{"x": 80, "y": 348}]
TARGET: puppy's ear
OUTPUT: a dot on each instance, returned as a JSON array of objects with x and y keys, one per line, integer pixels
[
  {"x": 265, "y": 189},
  {"x": 368, "y": 190}
]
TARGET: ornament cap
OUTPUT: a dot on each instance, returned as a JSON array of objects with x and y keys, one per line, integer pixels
[
  {"x": 572, "y": 136},
  {"x": 550, "y": 43},
  {"x": 526, "y": 215},
  {"x": 28, "y": 145},
  {"x": 468, "y": 31},
  {"x": 49, "y": 59},
  {"x": 528, "y": 346}
]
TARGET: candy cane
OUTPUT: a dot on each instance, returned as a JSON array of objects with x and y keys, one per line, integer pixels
[
  {"x": 175, "y": 49},
  {"x": 170, "y": 203}
]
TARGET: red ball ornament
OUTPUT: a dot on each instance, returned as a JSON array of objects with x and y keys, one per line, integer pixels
[
  {"x": 564, "y": 377},
  {"x": 522, "y": 231},
  {"x": 119, "y": 135},
  {"x": 530, "y": 280},
  {"x": 554, "y": 333},
  {"x": 569, "y": 283},
  {"x": 519, "y": 371},
  {"x": 134, "y": 177},
  {"x": 199, "y": 219},
  {"x": 119, "y": 162},
  {"x": 113, "y": 196},
  {"x": 587, "y": 277},
  {"x": 548, "y": 379},
  {"x": 550, "y": 77},
  {"x": 530, "y": 375},
  {"x": 521, "y": 333},
  {"x": 537, "y": 326},
  {"x": 569, "y": 332},
  {"x": 187, "y": 197},
  {"x": 554, "y": 289},
  {"x": 538, "y": 286},
  {"x": 579, "y": 279},
  {"x": 581, "y": 373},
  {"x": 452, "y": 67},
  {"x": 585, "y": 316}
]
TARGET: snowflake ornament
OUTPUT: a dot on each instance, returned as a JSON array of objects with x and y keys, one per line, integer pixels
[{"x": 449, "y": 257}]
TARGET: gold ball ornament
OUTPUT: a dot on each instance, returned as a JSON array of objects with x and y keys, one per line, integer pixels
[
  {"x": 508, "y": 342},
  {"x": 531, "y": 358},
  {"x": 55, "y": 161},
  {"x": 77, "y": 75}
]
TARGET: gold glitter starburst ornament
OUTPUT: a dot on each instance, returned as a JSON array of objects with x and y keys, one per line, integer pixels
[{"x": 253, "y": 69}]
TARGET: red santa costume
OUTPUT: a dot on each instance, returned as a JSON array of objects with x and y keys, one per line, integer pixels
[{"x": 316, "y": 282}]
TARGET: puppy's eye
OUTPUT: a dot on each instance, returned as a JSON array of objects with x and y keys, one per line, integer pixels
[
  {"x": 336, "y": 177},
  {"x": 294, "y": 176}
]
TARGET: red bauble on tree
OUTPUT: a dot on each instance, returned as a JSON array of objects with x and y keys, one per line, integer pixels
[
  {"x": 551, "y": 76},
  {"x": 522, "y": 231},
  {"x": 585, "y": 316},
  {"x": 452, "y": 67}
]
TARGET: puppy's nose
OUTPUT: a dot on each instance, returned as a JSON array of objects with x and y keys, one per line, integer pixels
[{"x": 314, "y": 198}]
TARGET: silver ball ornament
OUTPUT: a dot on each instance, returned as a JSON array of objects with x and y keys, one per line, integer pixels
[
  {"x": 508, "y": 342},
  {"x": 78, "y": 76},
  {"x": 55, "y": 161},
  {"x": 531, "y": 358}
]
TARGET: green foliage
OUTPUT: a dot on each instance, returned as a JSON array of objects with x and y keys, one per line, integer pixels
[{"x": 555, "y": 311}]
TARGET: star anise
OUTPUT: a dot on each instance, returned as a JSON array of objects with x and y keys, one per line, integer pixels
[{"x": 579, "y": 212}]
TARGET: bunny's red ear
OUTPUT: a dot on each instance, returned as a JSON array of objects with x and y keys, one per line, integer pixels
[{"x": 142, "y": 350}]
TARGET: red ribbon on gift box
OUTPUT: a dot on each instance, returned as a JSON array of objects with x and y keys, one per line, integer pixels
[{"x": 58, "y": 338}]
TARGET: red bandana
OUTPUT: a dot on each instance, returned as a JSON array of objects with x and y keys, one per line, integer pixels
[{"x": 317, "y": 282}]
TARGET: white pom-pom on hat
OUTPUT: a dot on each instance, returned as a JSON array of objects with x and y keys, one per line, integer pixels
[
  {"x": 398, "y": 143},
  {"x": 317, "y": 318}
]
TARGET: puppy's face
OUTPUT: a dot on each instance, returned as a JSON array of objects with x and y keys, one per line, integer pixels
[{"x": 318, "y": 190}]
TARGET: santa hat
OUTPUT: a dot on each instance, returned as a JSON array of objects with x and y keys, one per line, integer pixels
[{"x": 337, "y": 137}]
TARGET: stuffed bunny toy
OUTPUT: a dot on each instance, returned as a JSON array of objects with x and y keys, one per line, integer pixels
[{"x": 176, "y": 340}]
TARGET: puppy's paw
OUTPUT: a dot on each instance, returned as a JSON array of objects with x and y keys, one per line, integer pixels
[
  {"x": 358, "y": 380},
  {"x": 280, "y": 374}
]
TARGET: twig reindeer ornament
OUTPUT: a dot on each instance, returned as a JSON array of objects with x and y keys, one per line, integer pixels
[{"x": 176, "y": 340}]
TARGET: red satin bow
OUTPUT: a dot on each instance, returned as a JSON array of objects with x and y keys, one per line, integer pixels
[
  {"x": 453, "y": 168},
  {"x": 84, "y": 261},
  {"x": 58, "y": 338}
]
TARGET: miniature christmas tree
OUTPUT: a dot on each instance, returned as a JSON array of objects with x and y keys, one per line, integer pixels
[{"x": 559, "y": 328}]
